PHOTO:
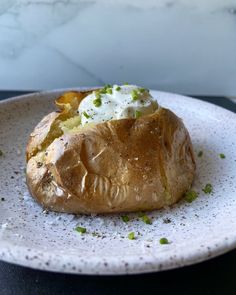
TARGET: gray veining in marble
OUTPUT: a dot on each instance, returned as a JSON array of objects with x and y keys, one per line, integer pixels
[{"x": 175, "y": 45}]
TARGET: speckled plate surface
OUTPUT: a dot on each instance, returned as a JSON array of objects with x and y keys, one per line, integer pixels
[{"x": 196, "y": 231}]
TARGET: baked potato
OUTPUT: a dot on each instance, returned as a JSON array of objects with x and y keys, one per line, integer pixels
[{"x": 129, "y": 164}]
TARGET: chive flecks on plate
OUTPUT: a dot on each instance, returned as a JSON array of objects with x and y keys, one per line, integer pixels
[
  {"x": 163, "y": 241},
  {"x": 125, "y": 218},
  {"x": 222, "y": 156},
  {"x": 1, "y": 153},
  {"x": 118, "y": 88},
  {"x": 207, "y": 189},
  {"x": 81, "y": 230},
  {"x": 146, "y": 219},
  {"x": 141, "y": 214},
  {"x": 190, "y": 196},
  {"x": 137, "y": 114},
  {"x": 131, "y": 236},
  {"x": 96, "y": 234},
  {"x": 200, "y": 153}
]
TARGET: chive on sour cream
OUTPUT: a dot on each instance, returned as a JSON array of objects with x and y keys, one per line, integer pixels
[{"x": 116, "y": 102}]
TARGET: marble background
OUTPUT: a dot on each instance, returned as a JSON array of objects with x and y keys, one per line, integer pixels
[{"x": 184, "y": 46}]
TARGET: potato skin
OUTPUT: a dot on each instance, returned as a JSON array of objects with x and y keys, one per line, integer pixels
[{"x": 116, "y": 166}]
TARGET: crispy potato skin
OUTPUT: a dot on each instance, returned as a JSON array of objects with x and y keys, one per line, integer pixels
[{"x": 116, "y": 166}]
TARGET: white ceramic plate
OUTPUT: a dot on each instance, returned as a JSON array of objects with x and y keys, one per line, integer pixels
[{"x": 196, "y": 231}]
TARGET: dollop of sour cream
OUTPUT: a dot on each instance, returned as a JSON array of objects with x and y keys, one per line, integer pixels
[{"x": 116, "y": 102}]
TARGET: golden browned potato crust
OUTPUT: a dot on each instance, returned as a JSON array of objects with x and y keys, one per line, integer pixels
[{"x": 115, "y": 166}]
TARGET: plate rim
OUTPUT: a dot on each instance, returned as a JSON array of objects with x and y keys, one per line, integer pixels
[{"x": 152, "y": 264}]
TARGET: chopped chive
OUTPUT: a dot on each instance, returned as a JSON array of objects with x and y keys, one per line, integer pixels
[
  {"x": 86, "y": 115},
  {"x": 125, "y": 218},
  {"x": 146, "y": 219},
  {"x": 98, "y": 94},
  {"x": 97, "y": 102},
  {"x": 222, "y": 156},
  {"x": 96, "y": 234},
  {"x": 1, "y": 153},
  {"x": 103, "y": 90},
  {"x": 163, "y": 241},
  {"x": 142, "y": 90},
  {"x": 190, "y": 196},
  {"x": 109, "y": 90},
  {"x": 141, "y": 214},
  {"x": 118, "y": 88},
  {"x": 134, "y": 94},
  {"x": 131, "y": 236},
  {"x": 137, "y": 114},
  {"x": 200, "y": 153},
  {"x": 207, "y": 189},
  {"x": 107, "y": 86},
  {"x": 126, "y": 83},
  {"x": 81, "y": 230}
]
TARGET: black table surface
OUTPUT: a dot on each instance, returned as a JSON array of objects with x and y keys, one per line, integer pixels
[{"x": 216, "y": 276}]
